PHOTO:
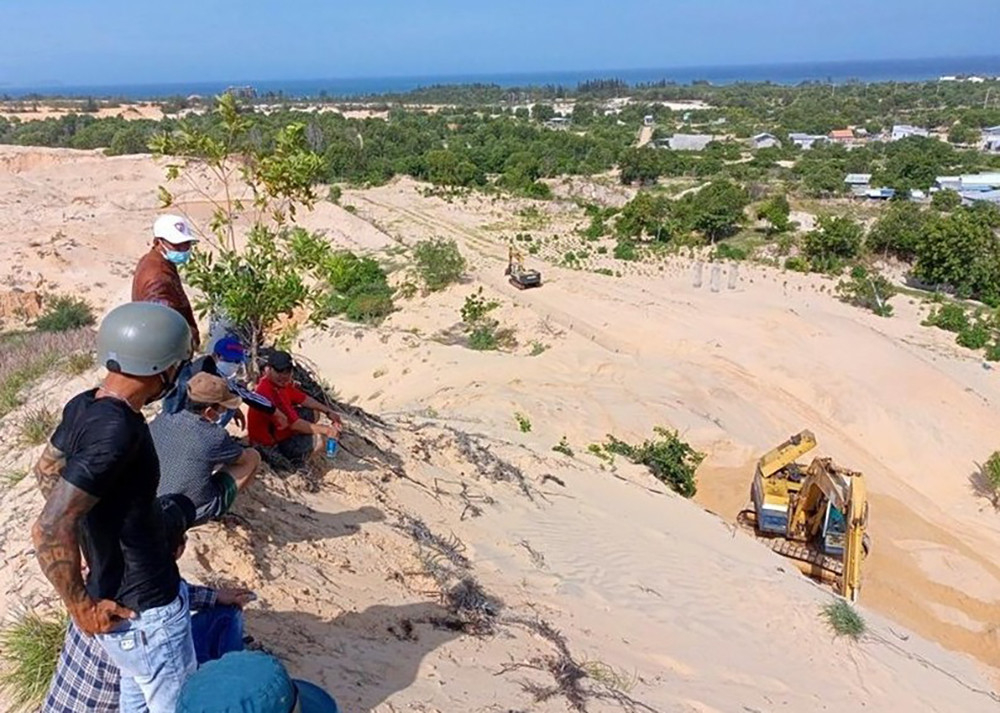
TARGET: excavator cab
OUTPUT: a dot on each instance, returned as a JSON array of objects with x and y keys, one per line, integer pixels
[{"x": 834, "y": 531}]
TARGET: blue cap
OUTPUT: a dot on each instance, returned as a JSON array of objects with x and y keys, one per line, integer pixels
[
  {"x": 250, "y": 682},
  {"x": 230, "y": 349}
]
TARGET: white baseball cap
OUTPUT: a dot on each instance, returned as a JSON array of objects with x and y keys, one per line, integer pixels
[{"x": 174, "y": 229}]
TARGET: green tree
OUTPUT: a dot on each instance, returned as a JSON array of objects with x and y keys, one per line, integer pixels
[
  {"x": 962, "y": 134},
  {"x": 946, "y": 200},
  {"x": 639, "y": 164},
  {"x": 775, "y": 210},
  {"x": 718, "y": 209},
  {"x": 914, "y": 162},
  {"x": 835, "y": 240},
  {"x": 960, "y": 250},
  {"x": 438, "y": 262},
  {"x": 130, "y": 139},
  {"x": 644, "y": 214},
  {"x": 542, "y": 112},
  {"x": 898, "y": 230},
  {"x": 447, "y": 168},
  {"x": 256, "y": 281}
]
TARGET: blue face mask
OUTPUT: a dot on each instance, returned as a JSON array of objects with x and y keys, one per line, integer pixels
[{"x": 177, "y": 257}]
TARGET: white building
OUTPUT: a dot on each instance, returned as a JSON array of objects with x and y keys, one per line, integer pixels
[
  {"x": 689, "y": 142},
  {"x": 902, "y": 131},
  {"x": 859, "y": 183},
  {"x": 765, "y": 141},
  {"x": 806, "y": 141},
  {"x": 970, "y": 182}
]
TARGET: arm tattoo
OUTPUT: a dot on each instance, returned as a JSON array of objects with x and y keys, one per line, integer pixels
[
  {"x": 49, "y": 468},
  {"x": 56, "y": 541}
]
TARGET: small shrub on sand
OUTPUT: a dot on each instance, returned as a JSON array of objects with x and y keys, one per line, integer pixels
[
  {"x": 867, "y": 289},
  {"x": 29, "y": 651},
  {"x": 989, "y": 478},
  {"x": 950, "y": 317},
  {"x": 975, "y": 336},
  {"x": 485, "y": 332},
  {"x": 523, "y": 422},
  {"x": 438, "y": 262},
  {"x": 64, "y": 314},
  {"x": 609, "y": 677},
  {"x": 725, "y": 251},
  {"x": 563, "y": 447},
  {"x": 669, "y": 459},
  {"x": 797, "y": 263},
  {"x": 37, "y": 424},
  {"x": 538, "y": 347},
  {"x": 844, "y": 620}
]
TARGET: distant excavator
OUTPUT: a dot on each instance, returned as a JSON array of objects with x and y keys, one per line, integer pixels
[
  {"x": 521, "y": 278},
  {"x": 817, "y": 516}
]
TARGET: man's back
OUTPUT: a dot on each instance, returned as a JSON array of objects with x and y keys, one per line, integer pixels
[
  {"x": 190, "y": 449},
  {"x": 110, "y": 455},
  {"x": 156, "y": 280}
]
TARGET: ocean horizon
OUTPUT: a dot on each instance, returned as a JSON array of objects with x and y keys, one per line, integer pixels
[{"x": 867, "y": 71}]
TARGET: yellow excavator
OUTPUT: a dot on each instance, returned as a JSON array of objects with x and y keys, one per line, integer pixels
[
  {"x": 817, "y": 516},
  {"x": 520, "y": 277}
]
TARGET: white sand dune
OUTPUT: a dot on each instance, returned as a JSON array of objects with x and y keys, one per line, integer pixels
[{"x": 692, "y": 614}]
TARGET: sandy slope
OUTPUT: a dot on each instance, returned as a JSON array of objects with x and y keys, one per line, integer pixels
[{"x": 698, "y": 616}]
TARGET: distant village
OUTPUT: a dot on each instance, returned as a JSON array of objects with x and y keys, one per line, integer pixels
[{"x": 971, "y": 188}]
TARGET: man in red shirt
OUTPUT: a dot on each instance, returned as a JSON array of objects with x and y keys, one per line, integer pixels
[{"x": 293, "y": 436}]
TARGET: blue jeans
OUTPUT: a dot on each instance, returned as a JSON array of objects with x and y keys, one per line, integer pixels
[
  {"x": 217, "y": 631},
  {"x": 155, "y": 654}
]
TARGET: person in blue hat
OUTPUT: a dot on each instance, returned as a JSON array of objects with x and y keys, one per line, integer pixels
[
  {"x": 251, "y": 682},
  {"x": 226, "y": 360}
]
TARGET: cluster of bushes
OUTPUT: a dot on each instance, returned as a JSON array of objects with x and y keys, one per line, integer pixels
[
  {"x": 82, "y": 131},
  {"x": 973, "y": 329},
  {"x": 714, "y": 212},
  {"x": 438, "y": 263},
  {"x": 345, "y": 284}
]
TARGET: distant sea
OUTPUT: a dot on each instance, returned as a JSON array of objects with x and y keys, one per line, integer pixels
[{"x": 909, "y": 70}]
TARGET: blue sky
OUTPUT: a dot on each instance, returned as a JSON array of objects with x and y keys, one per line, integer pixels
[{"x": 136, "y": 41}]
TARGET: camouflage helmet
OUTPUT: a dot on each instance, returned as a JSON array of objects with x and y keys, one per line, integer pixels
[{"x": 143, "y": 339}]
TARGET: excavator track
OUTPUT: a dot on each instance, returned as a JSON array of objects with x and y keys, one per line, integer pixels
[{"x": 788, "y": 548}]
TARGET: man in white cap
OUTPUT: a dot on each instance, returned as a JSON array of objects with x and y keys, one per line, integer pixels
[{"x": 156, "y": 278}]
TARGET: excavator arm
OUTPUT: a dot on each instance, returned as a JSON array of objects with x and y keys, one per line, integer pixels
[
  {"x": 854, "y": 548},
  {"x": 827, "y": 485}
]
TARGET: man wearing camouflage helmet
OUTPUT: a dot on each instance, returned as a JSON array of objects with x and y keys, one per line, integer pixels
[{"x": 100, "y": 472}]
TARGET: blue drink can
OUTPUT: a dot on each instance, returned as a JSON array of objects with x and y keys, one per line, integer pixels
[{"x": 331, "y": 448}]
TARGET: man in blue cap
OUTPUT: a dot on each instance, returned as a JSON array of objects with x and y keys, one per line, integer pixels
[
  {"x": 251, "y": 682},
  {"x": 226, "y": 360}
]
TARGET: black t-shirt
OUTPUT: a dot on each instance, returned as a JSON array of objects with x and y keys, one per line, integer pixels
[{"x": 110, "y": 455}]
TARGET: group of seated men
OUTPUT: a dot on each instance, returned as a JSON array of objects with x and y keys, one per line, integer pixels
[
  {"x": 203, "y": 467},
  {"x": 202, "y": 460}
]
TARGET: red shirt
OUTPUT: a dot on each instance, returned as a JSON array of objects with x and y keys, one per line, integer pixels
[{"x": 261, "y": 427}]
